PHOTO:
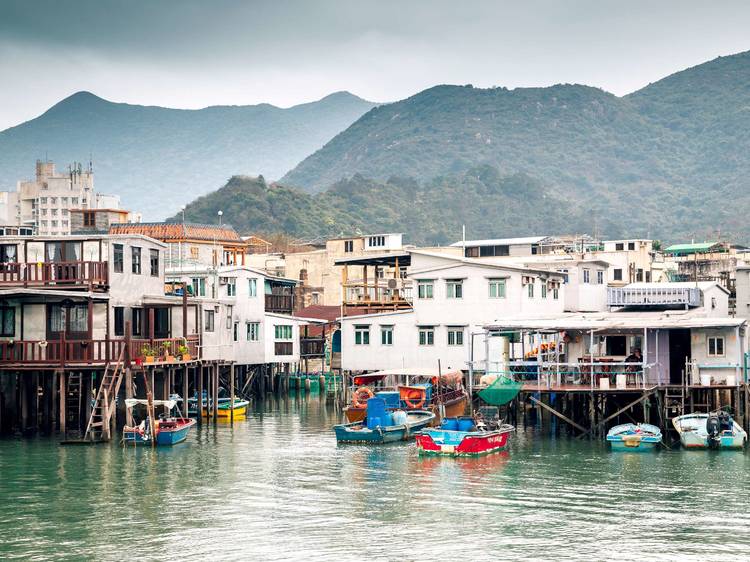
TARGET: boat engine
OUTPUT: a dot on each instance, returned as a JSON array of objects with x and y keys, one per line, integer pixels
[{"x": 713, "y": 430}]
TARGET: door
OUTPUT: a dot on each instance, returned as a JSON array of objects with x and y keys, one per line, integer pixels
[
  {"x": 679, "y": 353},
  {"x": 65, "y": 258},
  {"x": 72, "y": 321},
  {"x": 161, "y": 323}
]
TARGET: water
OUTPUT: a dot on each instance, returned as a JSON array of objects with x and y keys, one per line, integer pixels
[{"x": 277, "y": 486}]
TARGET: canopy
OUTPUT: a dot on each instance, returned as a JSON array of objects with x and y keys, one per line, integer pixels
[
  {"x": 169, "y": 404},
  {"x": 453, "y": 376}
]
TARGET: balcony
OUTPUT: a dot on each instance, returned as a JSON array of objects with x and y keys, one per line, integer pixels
[
  {"x": 76, "y": 353},
  {"x": 312, "y": 347},
  {"x": 279, "y": 304},
  {"x": 381, "y": 296},
  {"x": 91, "y": 275},
  {"x": 655, "y": 297}
]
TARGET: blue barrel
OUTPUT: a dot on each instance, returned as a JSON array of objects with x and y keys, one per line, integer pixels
[
  {"x": 450, "y": 424},
  {"x": 376, "y": 410},
  {"x": 373, "y": 422},
  {"x": 392, "y": 399},
  {"x": 465, "y": 424}
]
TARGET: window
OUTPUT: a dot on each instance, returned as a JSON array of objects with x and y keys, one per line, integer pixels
[
  {"x": 376, "y": 241},
  {"x": 619, "y": 247},
  {"x": 194, "y": 252},
  {"x": 454, "y": 289},
  {"x": 136, "y": 259},
  {"x": 229, "y": 317},
  {"x": 43, "y": 200},
  {"x": 716, "y": 347},
  {"x": 616, "y": 345},
  {"x": 282, "y": 332},
  {"x": 555, "y": 293},
  {"x": 236, "y": 332},
  {"x": 586, "y": 276},
  {"x": 427, "y": 336},
  {"x": 361, "y": 335},
  {"x": 154, "y": 260},
  {"x": 89, "y": 218},
  {"x": 348, "y": 246},
  {"x": 425, "y": 289},
  {"x": 117, "y": 257},
  {"x": 386, "y": 335},
  {"x": 199, "y": 286},
  {"x": 136, "y": 317},
  {"x": 497, "y": 288},
  {"x": 530, "y": 290},
  {"x": 74, "y": 201},
  {"x": 8, "y": 253},
  {"x": 544, "y": 290},
  {"x": 600, "y": 277},
  {"x": 119, "y": 321},
  {"x": 253, "y": 331},
  {"x": 639, "y": 275},
  {"x": 63, "y": 200},
  {"x": 7, "y": 321},
  {"x": 231, "y": 287},
  {"x": 631, "y": 246},
  {"x": 455, "y": 336},
  {"x": 617, "y": 274},
  {"x": 648, "y": 276},
  {"x": 208, "y": 322},
  {"x": 252, "y": 287}
]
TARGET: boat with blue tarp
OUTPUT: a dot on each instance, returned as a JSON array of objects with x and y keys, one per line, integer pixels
[
  {"x": 634, "y": 437},
  {"x": 382, "y": 425},
  {"x": 465, "y": 436}
]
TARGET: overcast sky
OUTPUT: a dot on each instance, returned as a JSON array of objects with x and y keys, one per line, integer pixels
[{"x": 194, "y": 53}]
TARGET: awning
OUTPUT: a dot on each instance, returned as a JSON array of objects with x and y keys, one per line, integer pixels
[{"x": 169, "y": 404}]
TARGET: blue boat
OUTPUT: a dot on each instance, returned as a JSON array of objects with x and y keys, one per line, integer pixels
[
  {"x": 634, "y": 437},
  {"x": 167, "y": 430},
  {"x": 383, "y": 426}
]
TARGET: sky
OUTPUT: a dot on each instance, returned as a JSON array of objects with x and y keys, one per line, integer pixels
[{"x": 196, "y": 53}]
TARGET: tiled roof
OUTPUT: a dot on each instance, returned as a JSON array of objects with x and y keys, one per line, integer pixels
[
  {"x": 320, "y": 312},
  {"x": 166, "y": 231}
]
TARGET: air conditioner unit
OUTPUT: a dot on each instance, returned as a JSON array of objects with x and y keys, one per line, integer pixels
[{"x": 395, "y": 283}]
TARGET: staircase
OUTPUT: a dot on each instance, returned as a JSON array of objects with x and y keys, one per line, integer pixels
[
  {"x": 98, "y": 427},
  {"x": 73, "y": 405}
]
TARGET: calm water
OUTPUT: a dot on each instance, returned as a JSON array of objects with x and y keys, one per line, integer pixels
[{"x": 276, "y": 486}]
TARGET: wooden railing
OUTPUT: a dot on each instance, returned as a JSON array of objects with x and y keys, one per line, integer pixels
[
  {"x": 282, "y": 304},
  {"x": 65, "y": 352},
  {"x": 311, "y": 347},
  {"x": 92, "y": 274}
]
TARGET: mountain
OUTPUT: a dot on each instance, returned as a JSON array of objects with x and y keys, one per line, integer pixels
[
  {"x": 670, "y": 160},
  {"x": 488, "y": 202},
  {"x": 157, "y": 158}
]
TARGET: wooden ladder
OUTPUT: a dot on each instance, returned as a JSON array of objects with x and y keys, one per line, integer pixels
[
  {"x": 98, "y": 427},
  {"x": 73, "y": 405}
]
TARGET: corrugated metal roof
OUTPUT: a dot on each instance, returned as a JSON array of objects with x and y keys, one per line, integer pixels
[{"x": 690, "y": 248}]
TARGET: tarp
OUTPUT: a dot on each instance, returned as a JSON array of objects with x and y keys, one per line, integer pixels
[{"x": 169, "y": 404}]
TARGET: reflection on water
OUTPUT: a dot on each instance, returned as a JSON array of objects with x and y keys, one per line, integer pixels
[{"x": 276, "y": 486}]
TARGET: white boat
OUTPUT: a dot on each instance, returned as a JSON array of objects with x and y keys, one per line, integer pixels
[
  {"x": 716, "y": 430},
  {"x": 634, "y": 437}
]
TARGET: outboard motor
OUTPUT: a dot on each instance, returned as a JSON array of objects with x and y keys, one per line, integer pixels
[
  {"x": 713, "y": 429},
  {"x": 725, "y": 422}
]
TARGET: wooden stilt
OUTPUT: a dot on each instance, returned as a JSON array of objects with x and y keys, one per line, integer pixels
[
  {"x": 62, "y": 398},
  {"x": 231, "y": 392},
  {"x": 556, "y": 413}
]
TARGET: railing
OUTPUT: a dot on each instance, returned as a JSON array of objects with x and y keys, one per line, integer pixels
[
  {"x": 376, "y": 297},
  {"x": 65, "y": 352},
  {"x": 653, "y": 296},
  {"x": 312, "y": 347},
  {"x": 591, "y": 374},
  {"x": 282, "y": 304},
  {"x": 283, "y": 348},
  {"x": 55, "y": 274}
]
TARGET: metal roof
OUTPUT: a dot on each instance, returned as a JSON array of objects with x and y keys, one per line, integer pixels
[
  {"x": 684, "y": 249},
  {"x": 403, "y": 258},
  {"x": 502, "y": 241}
]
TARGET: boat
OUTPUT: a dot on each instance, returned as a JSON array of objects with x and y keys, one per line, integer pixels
[
  {"x": 224, "y": 409},
  {"x": 443, "y": 393},
  {"x": 634, "y": 437},
  {"x": 383, "y": 426},
  {"x": 464, "y": 437},
  {"x": 166, "y": 430},
  {"x": 716, "y": 430}
]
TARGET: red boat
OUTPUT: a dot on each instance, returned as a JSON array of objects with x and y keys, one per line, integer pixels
[{"x": 458, "y": 443}]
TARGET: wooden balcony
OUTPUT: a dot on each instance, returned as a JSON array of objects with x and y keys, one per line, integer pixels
[
  {"x": 312, "y": 347},
  {"x": 283, "y": 348},
  {"x": 369, "y": 298},
  {"x": 81, "y": 353},
  {"x": 91, "y": 275},
  {"x": 280, "y": 304}
]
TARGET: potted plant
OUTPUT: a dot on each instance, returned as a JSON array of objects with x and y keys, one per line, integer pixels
[
  {"x": 167, "y": 352},
  {"x": 183, "y": 353},
  {"x": 148, "y": 353}
]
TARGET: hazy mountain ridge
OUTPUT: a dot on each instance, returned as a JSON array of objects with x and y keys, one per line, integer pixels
[{"x": 157, "y": 158}]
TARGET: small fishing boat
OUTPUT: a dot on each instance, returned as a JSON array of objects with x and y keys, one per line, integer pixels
[
  {"x": 464, "y": 437},
  {"x": 165, "y": 431},
  {"x": 716, "y": 430},
  {"x": 224, "y": 409},
  {"x": 634, "y": 437},
  {"x": 383, "y": 426}
]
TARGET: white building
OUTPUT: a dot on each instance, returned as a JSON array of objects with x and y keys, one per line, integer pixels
[{"x": 453, "y": 297}]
